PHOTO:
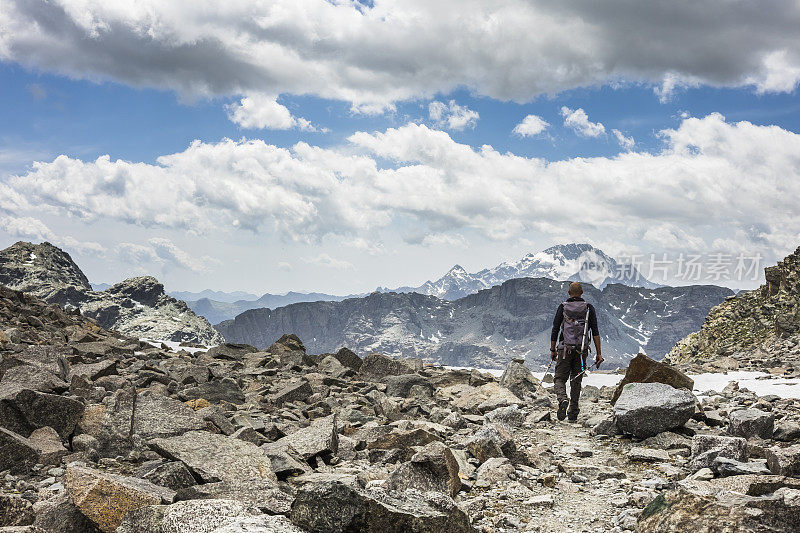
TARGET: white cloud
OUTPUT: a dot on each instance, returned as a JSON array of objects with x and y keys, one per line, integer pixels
[
  {"x": 26, "y": 228},
  {"x": 158, "y": 251},
  {"x": 327, "y": 261},
  {"x": 168, "y": 252},
  {"x": 625, "y": 142},
  {"x": 530, "y": 126},
  {"x": 452, "y": 115},
  {"x": 372, "y": 56},
  {"x": 285, "y": 266},
  {"x": 578, "y": 120},
  {"x": 261, "y": 111},
  {"x": 711, "y": 178},
  {"x": 444, "y": 239}
]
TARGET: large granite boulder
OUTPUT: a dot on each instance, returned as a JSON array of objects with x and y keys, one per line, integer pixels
[
  {"x": 784, "y": 461},
  {"x": 518, "y": 379},
  {"x": 106, "y": 498},
  {"x": 320, "y": 439},
  {"x": 401, "y": 386},
  {"x": 646, "y": 409},
  {"x": 492, "y": 440},
  {"x": 642, "y": 369},
  {"x": 23, "y": 410},
  {"x": 707, "y": 448},
  {"x": 213, "y": 457},
  {"x": 433, "y": 468},
  {"x": 749, "y": 423},
  {"x": 333, "y": 506},
  {"x": 17, "y": 453},
  {"x": 375, "y": 367}
]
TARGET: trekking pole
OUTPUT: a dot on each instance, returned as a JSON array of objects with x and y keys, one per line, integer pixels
[{"x": 582, "y": 372}]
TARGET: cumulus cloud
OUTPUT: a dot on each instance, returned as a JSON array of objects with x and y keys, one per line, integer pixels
[
  {"x": 390, "y": 51},
  {"x": 452, "y": 115},
  {"x": 325, "y": 260},
  {"x": 26, "y": 228},
  {"x": 158, "y": 251},
  {"x": 578, "y": 120},
  {"x": 530, "y": 126},
  {"x": 261, "y": 111},
  {"x": 625, "y": 142},
  {"x": 711, "y": 178}
]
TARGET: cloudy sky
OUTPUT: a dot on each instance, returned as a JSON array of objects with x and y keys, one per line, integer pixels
[{"x": 341, "y": 145}]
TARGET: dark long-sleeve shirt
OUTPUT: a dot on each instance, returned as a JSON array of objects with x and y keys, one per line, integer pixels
[{"x": 556, "y": 331}]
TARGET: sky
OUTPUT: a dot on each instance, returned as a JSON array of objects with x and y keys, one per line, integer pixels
[{"x": 338, "y": 146}]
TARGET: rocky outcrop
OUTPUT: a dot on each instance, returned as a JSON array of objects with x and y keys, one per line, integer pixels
[
  {"x": 484, "y": 330},
  {"x": 138, "y": 307},
  {"x": 758, "y": 329}
]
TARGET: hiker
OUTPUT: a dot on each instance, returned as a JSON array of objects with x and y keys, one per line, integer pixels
[{"x": 574, "y": 318}]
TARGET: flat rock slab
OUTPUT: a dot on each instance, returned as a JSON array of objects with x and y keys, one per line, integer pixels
[
  {"x": 648, "y": 455},
  {"x": 260, "y": 493},
  {"x": 106, "y": 498},
  {"x": 23, "y": 410},
  {"x": 332, "y": 506},
  {"x": 204, "y": 516},
  {"x": 319, "y": 439},
  {"x": 215, "y": 457},
  {"x": 751, "y": 423}
]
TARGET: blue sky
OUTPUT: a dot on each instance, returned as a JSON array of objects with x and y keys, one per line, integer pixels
[{"x": 383, "y": 193}]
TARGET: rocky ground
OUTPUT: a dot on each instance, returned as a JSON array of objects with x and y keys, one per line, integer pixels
[
  {"x": 102, "y": 432},
  {"x": 137, "y": 307}
]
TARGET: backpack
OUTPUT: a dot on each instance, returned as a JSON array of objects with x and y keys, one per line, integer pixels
[{"x": 574, "y": 325}]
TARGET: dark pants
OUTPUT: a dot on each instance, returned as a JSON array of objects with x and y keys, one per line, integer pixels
[{"x": 567, "y": 367}]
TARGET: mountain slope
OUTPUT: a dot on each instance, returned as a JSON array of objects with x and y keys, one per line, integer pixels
[
  {"x": 137, "y": 306},
  {"x": 485, "y": 329},
  {"x": 757, "y": 329},
  {"x": 568, "y": 262},
  {"x": 217, "y": 311}
]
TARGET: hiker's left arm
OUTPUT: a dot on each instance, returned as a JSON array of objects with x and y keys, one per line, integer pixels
[
  {"x": 598, "y": 358},
  {"x": 595, "y": 334}
]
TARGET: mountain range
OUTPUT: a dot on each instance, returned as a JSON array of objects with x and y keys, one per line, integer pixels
[
  {"x": 484, "y": 329},
  {"x": 565, "y": 262}
]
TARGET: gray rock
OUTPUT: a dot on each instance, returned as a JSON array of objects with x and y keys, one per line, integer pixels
[
  {"x": 375, "y": 367},
  {"x": 23, "y": 410},
  {"x": 433, "y": 468},
  {"x": 35, "y": 378},
  {"x": 751, "y": 423},
  {"x": 606, "y": 426},
  {"x": 493, "y": 471},
  {"x": 213, "y": 457},
  {"x": 646, "y": 409},
  {"x": 48, "y": 444},
  {"x": 15, "y": 511},
  {"x": 784, "y": 461},
  {"x": 730, "y": 467},
  {"x": 706, "y": 448},
  {"x": 332, "y": 506},
  {"x": 331, "y": 366},
  {"x": 349, "y": 359},
  {"x": 260, "y": 493},
  {"x": 647, "y": 455},
  {"x": 786, "y": 431},
  {"x": 59, "y": 515},
  {"x": 173, "y": 475},
  {"x": 223, "y": 390},
  {"x": 518, "y": 379},
  {"x": 202, "y": 516},
  {"x": 319, "y": 439},
  {"x": 293, "y": 392},
  {"x": 492, "y": 440},
  {"x": 16, "y": 452},
  {"x": 510, "y": 416},
  {"x": 400, "y": 386}
]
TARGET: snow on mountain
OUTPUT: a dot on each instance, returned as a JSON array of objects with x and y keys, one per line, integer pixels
[{"x": 566, "y": 262}]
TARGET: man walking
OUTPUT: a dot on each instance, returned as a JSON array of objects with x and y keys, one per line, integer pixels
[{"x": 571, "y": 325}]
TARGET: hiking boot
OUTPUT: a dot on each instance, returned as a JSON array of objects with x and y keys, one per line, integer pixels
[
  {"x": 562, "y": 409},
  {"x": 573, "y": 417}
]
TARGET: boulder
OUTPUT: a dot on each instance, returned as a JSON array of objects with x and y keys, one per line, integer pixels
[
  {"x": 292, "y": 392},
  {"x": 213, "y": 457},
  {"x": 485, "y": 398},
  {"x": 173, "y": 475},
  {"x": 59, "y": 515},
  {"x": 647, "y": 455},
  {"x": 706, "y": 448},
  {"x": 784, "y": 461},
  {"x": 333, "y": 506},
  {"x": 642, "y": 369},
  {"x": 48, "y": 444},
  {"x": 319, "y": 439},
  {"x": 493, "y": 471},
  {"x": 511, "y": 416},
  {"x": 106, "y": 498},
  {"x": 433, "y": 468},
  {"x": 23, "y": 410},
  {"x": 15, "y": 510},
  {"x": 731, "y": 467},
  {"x": 492, "y": 440},
  {"x": 331, "y": 366},
  {"x": 519, "y": 380},
  {"x": 204, "y": 516},
  {"x": 35, "y": 378},
  {"x": 349, "y": 359},
  {"x": 749, "y": 423},
  {"x": 17, "y": 453},
  {"x": 401, "y": 386},
  {"x": 216, "y": 391},
  {"x": 375, "y": 367},
  {"x": 402, "y": 439},
  {"x": 231, "y": 351},
  {"x": 646, "y": 409},
  {"x": 260, "y": 493}
]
